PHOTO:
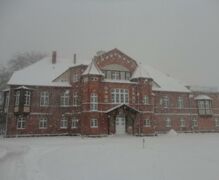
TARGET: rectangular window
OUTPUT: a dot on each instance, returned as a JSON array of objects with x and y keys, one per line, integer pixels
[
  {"x": 146, "y": 100},
  {"x": 64, "y": 123},
  {"x": 21, "y": 122},
  {"x": 204, "y": 107},
  {"x": 93, "y": 123},
  {"x": 168, "y": 122},
  {"x": 27, "y": 96},
  {"x": 17, "y": 98},
  {"x": 128, "y": 75},
  {"x": 182, "y": 123},
  {"x": 122, "y": 75},
  {"x": 75, "y": 77},
  {"x": 115, "y": 75},
  {"x": 43, "y": 123},
  {"x": 180, "y": 103},
  {"x": 194, "y": 123},
  {"x": 75, "y": 99},
  {"x": 65, "y": 99},
  {"x": 120, "y": 96},
  {"x": 147, "y": 123},
  {"x": 74, "y": 123},
  {"x": 44, "y": 98},
  {"x": 93, "y": 102}
]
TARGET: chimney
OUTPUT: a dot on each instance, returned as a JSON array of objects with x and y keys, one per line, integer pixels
[
  {"x": 53, "y": 57},
  {"x": 75, "y": 59}
]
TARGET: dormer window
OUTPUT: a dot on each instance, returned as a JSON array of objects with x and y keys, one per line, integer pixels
[{"x": 204, "y": 104}]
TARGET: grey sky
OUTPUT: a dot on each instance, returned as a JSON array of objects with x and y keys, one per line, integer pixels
[{"x": 179, "y": 37}]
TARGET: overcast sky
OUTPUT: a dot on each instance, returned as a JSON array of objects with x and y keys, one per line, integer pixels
[{"x": 178, "y": 37}]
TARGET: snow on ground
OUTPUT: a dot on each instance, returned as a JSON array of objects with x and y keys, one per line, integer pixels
[{"x": 181, "y": 157}]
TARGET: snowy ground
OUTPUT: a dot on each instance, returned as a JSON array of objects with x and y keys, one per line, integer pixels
[{"x": 181, "y": 157}]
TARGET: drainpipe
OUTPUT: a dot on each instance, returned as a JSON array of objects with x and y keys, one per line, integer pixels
[{"x": 6, "y": 125}]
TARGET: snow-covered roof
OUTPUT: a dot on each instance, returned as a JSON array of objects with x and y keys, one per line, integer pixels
[
  {"x": 42, "y": 73},
  {"x": 202, "y": 97},
  {"x": 164, "y": 82},
  {"x": 92, "y": 69},
  {"x": 140, "y": 72}
]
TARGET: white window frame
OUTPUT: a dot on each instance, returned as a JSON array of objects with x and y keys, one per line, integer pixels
[
  {"x": 17, "y": 98},
  {"x": 194, "y": 122},
  {"x": 168, "y": 123},
  {"x": 94, "y": 123},
  {"x": 63, "y": 122},
  {"x": 119, "y": 96},
  {"x": 27, "y": 97},
  {"x": 180, "y": 102},
  {"x": 75, "y": 99},
  {"x": 64, "y": 99},
  {"x": 146, "y": 100},
  {"x": 44, "y": 98},
  {"x": 74, "y": 123},
  {"x": 21, "y": 122},
  {"x": 93, "y": 102},
  {"x": 43, "y": 122},
  {"x": 182, "y": 122},
  {"x": 147, "y": 123},
  {"x": 166, "y": 101},
  {"x": 75, "y": 77}
]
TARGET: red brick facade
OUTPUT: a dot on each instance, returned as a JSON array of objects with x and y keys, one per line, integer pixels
[{"x": 140, "y": 118}]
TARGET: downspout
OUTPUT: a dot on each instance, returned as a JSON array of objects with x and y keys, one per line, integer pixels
[{"x": 6, "y": 123}]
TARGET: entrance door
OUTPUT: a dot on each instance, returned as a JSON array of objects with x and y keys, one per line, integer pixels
[{"x": 120, "y": 125}]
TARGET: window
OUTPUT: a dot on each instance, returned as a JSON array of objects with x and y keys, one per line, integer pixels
[
  {"x": 17, "y": 98},
  {"x": 44, "y": 98},
  {"x": 164, "y": 101},
  {"x": 75, "y": 77},
  {"x": 74, "y": 123},
  {"x": 65, "y": 98},
  {"x": 93, "y": 123},
  {"x": 168, "y": 122},
  {"x": 217, "y": 122},
  {"x": 116, "y": 75},
  {"x": 128, "y": 75},
  {"x": 180, "y": 102},
  {"x": 21, "y": 122},
  {"x": 194, "y": 123},
  {"x": 43, "y": 123},
  {"x": 204, "y": 107},
  {"x": 63, "y": 122},
  {"x": 147, "y": 123},
  {"x": 27, "y": 98},
  {"x": 120, "y": 96},
  {"x": 182, "y": 123},
  {"x": 75, "y": 99},
  {"x": 93, "y": 102},
  {"x": 146, "y": 100}
]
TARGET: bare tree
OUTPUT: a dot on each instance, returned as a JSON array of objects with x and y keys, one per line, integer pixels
[{"x": 18, "y": 62}]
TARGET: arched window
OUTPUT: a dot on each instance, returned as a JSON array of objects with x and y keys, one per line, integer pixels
[{"x": 93, "y": 102}]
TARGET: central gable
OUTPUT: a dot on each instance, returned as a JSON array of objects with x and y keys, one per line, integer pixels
[{"x": 116, "y": 57}]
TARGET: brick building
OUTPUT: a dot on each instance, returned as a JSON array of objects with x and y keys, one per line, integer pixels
[{"x": 113, "y": 94}]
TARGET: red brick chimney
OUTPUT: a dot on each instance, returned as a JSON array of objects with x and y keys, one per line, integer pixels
[
  {"x": 75, "y": 59},
  {"x": 53, "y": 57}
]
